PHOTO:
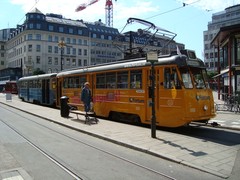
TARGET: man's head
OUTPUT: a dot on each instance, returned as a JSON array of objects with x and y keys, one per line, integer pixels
[{"x": 86, "y": 84}]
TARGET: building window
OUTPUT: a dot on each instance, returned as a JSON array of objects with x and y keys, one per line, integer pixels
[
  {"x": 29, "y": 36},
  {"x": 30, "y": 48},
  {"x": 56, "y": 39},
  {"x": 31, "y": 26},
  {"x": 79, "y": 52},
  {"x": 50, "y": 27},
  {"x": 74, "y": 51},
  {"x": 85, "y": 62},
  {"x": 38, "y": 60},
  {"x": 55, "y": 61},
  {"x": 238, "y": 51},
  {"x": 38, "y": 48},
  {"x": 94, "y": 35},
  {"x": 49, "y": 60},
  {"x": 79, "y": 41},
  {"x": 73, "y": 62},
  {"x": 68, "y": 40},
  {"x": 85, "y": 52},
  {"x": 50, "y": 49},
  {"x": 38, "y": 37},
  {"x": 60, "y": 29},
  {"x": 29, "y": 62},
  {"x": 79, "y": 62},
  {"x": 56, "y": 49},
  {"x": 70, "y": 30},
  {"x": 102, "y": 36},
  {"x": 74, "y": 41},
  {"x": 2, "y": 54},
  {"x": 38, "y": 26},
  {"x": 68, "y": 50},
  {"x": 50, "y": 38},
  {"x": 68, "y": 62},
  {"x": 80, "y": 32}
]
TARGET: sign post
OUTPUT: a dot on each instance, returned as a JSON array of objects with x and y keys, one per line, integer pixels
[{"x": 152, "y": 57}]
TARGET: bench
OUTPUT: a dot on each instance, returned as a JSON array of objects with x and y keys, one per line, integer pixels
[{"x": 89, "y": 116}]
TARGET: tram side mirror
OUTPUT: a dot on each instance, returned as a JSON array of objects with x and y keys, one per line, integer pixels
[{"x": 149, "y": 92}]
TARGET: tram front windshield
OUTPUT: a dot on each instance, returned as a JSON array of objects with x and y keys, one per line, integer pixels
[{"x": 194, "y": 77}]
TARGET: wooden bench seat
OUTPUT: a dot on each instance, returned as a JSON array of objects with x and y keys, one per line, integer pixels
[{"x": 89, "y": 116}]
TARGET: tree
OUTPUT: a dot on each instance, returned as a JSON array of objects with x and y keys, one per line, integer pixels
[{"x": 38, "y": 71}]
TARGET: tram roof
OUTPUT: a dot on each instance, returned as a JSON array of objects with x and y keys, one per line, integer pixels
[
  {"x": 180, "y": 60},
  {"x": 41, "y": 76}
]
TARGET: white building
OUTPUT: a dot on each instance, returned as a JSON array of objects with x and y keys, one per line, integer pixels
[
  {"x": 229, "y": 16},
  {"x": 51, "y": 43}
]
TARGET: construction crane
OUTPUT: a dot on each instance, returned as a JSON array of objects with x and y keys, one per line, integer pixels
[{"x": 108, "y": 10}]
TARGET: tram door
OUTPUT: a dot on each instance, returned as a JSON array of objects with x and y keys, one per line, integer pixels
[
  {"x": 59, "y": 90},
  {"x": 45, "y": 91}
]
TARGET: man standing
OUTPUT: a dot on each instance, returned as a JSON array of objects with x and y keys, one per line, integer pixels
[{"x": 86, "y": 96}]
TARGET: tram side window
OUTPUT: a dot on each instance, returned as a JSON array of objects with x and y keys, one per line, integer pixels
[
  {"x": 198, "y": 78},
  {"x": 101, "y": 80},
  {"x": 82, "y": 80},
  {"x": 111, "y": 80},
  {"x": 136, "y": 79},
  {"x": 186, "y": 78},
  {"x": 171, "y": 79},
  {"x": 73, "y": 82},
  {"x": 175, "y": 79},
  {"x": 30, "y": 84},
  {"x": 122, "y": 80},
  {"x": 39, "y": 85},
  {"x": 24, "y": 84},
  {"x": 167, "y": 79}
]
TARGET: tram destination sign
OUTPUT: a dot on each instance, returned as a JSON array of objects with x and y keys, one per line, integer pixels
[{"x": 152, "y": 56}]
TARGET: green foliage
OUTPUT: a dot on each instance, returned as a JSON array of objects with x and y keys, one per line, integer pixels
[
  {"x": 38, "y": 71},
  {"x": 211, "y": 74}
]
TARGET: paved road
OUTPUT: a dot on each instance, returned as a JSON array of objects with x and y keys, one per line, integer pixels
[
  {"x": 213, "y": 150},
  {"x": 224, "y": 118}
]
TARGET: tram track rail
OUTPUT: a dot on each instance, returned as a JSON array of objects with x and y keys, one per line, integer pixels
[{"x": 60, "y": 163}]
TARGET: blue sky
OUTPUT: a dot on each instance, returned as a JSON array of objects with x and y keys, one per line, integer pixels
[{"x": 187, "y": 22}]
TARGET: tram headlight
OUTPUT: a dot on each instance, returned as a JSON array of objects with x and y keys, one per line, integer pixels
[{"x": 205, "y": 107}]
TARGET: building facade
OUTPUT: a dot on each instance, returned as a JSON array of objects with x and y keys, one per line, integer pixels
[
  {"x": 229, "y": 16},
  {"x": 51, "y": 43},
  {"x": 4, "y": 35},
  {"x": 227, "y": 42}
]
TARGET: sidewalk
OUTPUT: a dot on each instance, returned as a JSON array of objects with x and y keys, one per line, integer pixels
[{"x": 206, "y": 155}]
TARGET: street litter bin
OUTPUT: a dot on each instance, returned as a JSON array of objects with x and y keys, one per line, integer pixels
[{"x": 64, "y": 106}]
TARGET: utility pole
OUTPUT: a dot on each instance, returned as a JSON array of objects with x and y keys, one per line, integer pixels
[
  {"x": 152, "y": 57},
  {"x": 61, "y": 44}
]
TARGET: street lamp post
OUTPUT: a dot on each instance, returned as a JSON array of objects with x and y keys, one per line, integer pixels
[
  {"x": 152, "y": 57},
  {"x": 61, "y": 44}
]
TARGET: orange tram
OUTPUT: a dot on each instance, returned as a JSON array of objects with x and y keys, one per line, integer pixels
[{"x": 122, "y": 90}]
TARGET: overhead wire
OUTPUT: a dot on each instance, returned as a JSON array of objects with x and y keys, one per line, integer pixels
[
  {"x": 36, "y": 1},
  {"x": 184, "y": 5}
]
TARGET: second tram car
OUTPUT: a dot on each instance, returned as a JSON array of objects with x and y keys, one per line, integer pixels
[
  {"x": 122, "y": 91},
  {"x": 39, "y": 89},
  {"x": 11, "y": 87}
]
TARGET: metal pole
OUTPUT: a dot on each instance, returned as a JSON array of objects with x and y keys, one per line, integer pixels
[
  {"x": 61, "y": 58},
  {"x": 61, "y": 44},
  {"x": 153, "y": 123}
]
